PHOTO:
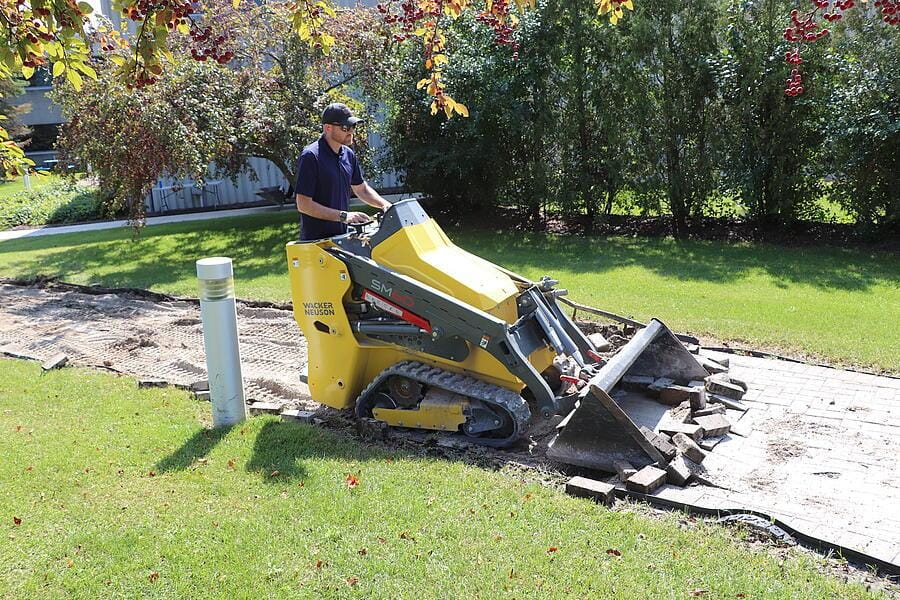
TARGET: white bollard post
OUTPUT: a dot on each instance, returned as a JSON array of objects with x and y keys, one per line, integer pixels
[
  {"x": 27, "y": 180},
  {"x": 220, "y": 339}
]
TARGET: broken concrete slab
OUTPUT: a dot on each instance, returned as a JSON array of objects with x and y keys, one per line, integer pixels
[
  {"x": 711, "y": 366},
  {"x": 659, "y": 384},
  {"x": 692, "y": 348},
  {"x": 697, "y": 398},
  {"x": 693, "y": 431},
  {"x": 582, "y": 487},
  {"x": 55, "y": 362},
  {"x": 624, "y": 469},
  {"x": 202, "y": 395},
  {"x": 152, "y": 383},
  {"x": 646, "y": 480},
  {"x": 723, "y": 387},
  {"x": 726, "y": 402},
  {"x": 712, "y": 409},
  {"x": 301, "y": 416},
  {"x": 200, "y": 386},
  {"x": 661, "y": 443},
  {"x": 688, "y": 447},
  {"x": 673, "y": 395},
  {"x": 714, "y": 425},
  {"x": 371, "y": 428},
  {"x": 680, "y": 470},
  {"x": 599, "y": 342},
  {"x": 708, "y": 443},
  {"x": 738, "y": 382},
  {"x": 261, "y": 408}
]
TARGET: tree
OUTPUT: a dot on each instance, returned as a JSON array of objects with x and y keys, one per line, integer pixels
[{"x": 267, "y": 102}]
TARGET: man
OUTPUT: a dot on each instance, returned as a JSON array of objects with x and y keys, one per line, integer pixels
[{"x": 326, "y": 172}]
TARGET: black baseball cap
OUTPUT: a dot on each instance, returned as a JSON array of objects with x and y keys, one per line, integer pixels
[{"x": 338, "y": 114}]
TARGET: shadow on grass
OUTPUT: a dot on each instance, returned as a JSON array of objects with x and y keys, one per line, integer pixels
[
  {"x": 282, "y": 447},
  {"x": 198, "y": 446}
]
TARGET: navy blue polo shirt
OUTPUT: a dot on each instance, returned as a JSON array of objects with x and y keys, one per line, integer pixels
[{"x": 326, "y": 177}]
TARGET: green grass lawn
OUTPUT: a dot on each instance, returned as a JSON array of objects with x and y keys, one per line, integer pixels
[
  {"x": 111, "y": 491},
  {"x": 839, "y": 304},
  {"x": 14, "y": 186}
]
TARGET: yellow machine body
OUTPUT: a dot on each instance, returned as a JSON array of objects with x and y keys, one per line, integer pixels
[{"x": 342, "y": 364}]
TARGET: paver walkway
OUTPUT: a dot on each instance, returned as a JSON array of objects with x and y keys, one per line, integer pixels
[{"x": 819, "y": 450}]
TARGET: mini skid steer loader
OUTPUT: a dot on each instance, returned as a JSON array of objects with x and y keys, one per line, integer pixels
[{"x": 405, "y": 327}]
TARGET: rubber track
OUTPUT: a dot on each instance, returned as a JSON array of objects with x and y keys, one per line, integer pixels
[{"x": 507, "y": 400}]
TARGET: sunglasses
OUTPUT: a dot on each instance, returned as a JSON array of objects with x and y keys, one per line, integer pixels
[{"x": 344, "y": 128}]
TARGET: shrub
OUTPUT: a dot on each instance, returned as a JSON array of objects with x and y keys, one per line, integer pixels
[{"x": 57, "y": 202}]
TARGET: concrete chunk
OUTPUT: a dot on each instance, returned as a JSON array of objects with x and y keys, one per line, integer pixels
[
  {"x": 712, "y": 409},
  {"x": 55, "y": 362},
  {"x": 660, "y": 443},
  {"x": 673, "y": 395},
  {"x": 695, "y": 432},
  {"x": 152, "y": 383},
  {"x": 710, "y": 442},
  {"x": 200, "y": 386},
  {"x": 303, "y": 416},
  {"x": 714, "y": 425},
  {"x": 599, "y": 342},
  {"x": 697, "y": 398},
  {"x": 679, "y": 471},
  {"x": 688, "y": 447},
  {"x": 726, "y": 402},
  {"x": 582, "y": 487},
  {"x": 261, "y": 408},
  {"x": 646, "y": 480},
  {"x": 661, "y": 383},
  {"x": 738, "y": 382},
  {"x": 724, "y": 387},
  {"x": 711, "y": 366},
  {"x": 202, "y": 395},
  {"x": 371, "y": 428},
  {"x": 624, "y": 469}
]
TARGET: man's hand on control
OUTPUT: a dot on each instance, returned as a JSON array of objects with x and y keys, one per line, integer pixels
[{"x": 357, "y": 218}]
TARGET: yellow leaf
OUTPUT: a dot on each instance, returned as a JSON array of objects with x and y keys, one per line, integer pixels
[
  {"x": 87, "y": 70},
  {"x": 628, "y": 4},
  {"x": 461, "y": 109},
  {"x": 428, "y": 64},
  {"x": 448, "y": 110},
  {"x": 422, "y": 83},
  {"x": 183, "y": 28},
  {"x": 434, "y": 107},
  {"x": 440, "y": 59},
  {"x": 235, "y": 3},
  {"x": 118, "y": 60},
  {"x": 74, "y": 78},
  {"x": 613, "y": 18},
  {"x": 27, "y": 72},
  {"x": 58, "y": 68}
]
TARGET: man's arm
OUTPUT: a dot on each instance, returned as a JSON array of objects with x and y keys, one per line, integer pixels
[
  {"x": 365, "y": 193},
  {"x": 310, "y": 207}
]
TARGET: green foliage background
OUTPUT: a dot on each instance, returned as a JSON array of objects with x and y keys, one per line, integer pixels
[{"x": 679, "y": 110}]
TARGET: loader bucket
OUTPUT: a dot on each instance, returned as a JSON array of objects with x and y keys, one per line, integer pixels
[{"x": 597, "y": 432}]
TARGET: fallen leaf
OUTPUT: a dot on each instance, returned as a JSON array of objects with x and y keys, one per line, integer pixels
[
  {"x": 275, "y": 473},
  {"x": 498, "y": 537},
  {"x": 740, "y": 595},
  {"x": 202, "y": 461},
  {"x": 230, "y": 463},
  {"x": 18, "y": 428},
  {"x": 153, "y": 576},
  {"x": 151, "y": 474},
  {"x": 552, "y": 549},
  {"x": 697, "y": 592},
  {"x": 405, "y": 536},
  {"x": 526, "y": 497},
  {"x": 363, "y": 552},
  {"x": 352, "y": 481},
  {"x": 70, "y": 563},
  {"x": 613, "y": 552},
  {"x": 29, "y": 468},
  {"x": 107, "y": 363},
  {"x": 319, "y": 564},
  {"x": 512, "y": 574},
  {"x": 301, "y": 484},
  {"x": 120, "y": 472},
  {"x": 17, "y": 521},
  {"x": 352, "y": 580},
  {"x": 381, "y": 540}
]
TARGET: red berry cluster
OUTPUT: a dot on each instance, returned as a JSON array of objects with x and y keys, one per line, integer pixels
[
  {"x": 407, "y": 17},
  {"x": 803, "y": 29},
  {"x": 890, "y": 11},
  {"x": 206, "y": 46},
  {"x": 497, "y": 18},
  {"x": 792, "y": 57},
  {"x": 30, "y": 28},
  {"x": 794, "y": 84}
]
